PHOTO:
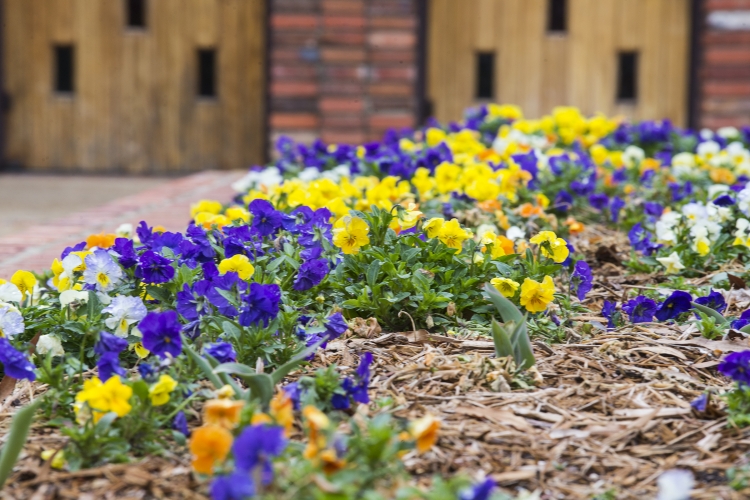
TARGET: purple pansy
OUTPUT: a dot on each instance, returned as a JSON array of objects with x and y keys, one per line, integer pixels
[
  {"x": 737, "y": 367},
  {"x": 640, "y": 309},
  {"x": 581, "y": 280},
  {"x": 677, "y": 303},
  {"x": 161, "y": 333}
]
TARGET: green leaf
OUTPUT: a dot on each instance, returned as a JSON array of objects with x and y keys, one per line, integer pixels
[
  {"x": 283, "y": 370},
  {"x": 231, "y": 329},
  {"x": 105, "y": 422},
  {"x": 503, "y": 346},
  {"x": 508, "y": 311},
  {"x": 19, "y": 431},
  {"x": 523, "y": 354},
  {"x": 372, "y": 273},
  {"x": 158, "y": 293},
  {"x": 140, "y": 389},
  {"x": 745, "y": 329},
  {"x": 261, "y": 387},
  {"x": 707, "y": 310},
  {"x": 234, "y": 368},
  {"x": 203, "y": 365}
]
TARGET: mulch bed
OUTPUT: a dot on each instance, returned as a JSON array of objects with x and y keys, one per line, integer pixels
[{"x": 611, "y": 411}]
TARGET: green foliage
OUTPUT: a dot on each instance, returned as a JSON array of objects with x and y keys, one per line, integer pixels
[
  {"x": 511, "y": 337},
  {"x": 19, "y": 431}
]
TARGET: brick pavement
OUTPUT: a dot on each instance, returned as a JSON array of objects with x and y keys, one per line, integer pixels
[{"x": 167, "y": 205}]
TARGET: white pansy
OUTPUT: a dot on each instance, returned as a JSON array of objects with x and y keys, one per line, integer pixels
[
  {"x": 675, "y": 484},
  {"x": 487, "y": 228},
  {"x": 715, "y": 190},
  {"x": 49, "y": 343},
  {"x": 125, "y": 311},
  {"x": 309, "y": 174},
  {"x": 708, "y": 149},
  {"x": 11, "y": 321},
  {"x": 124, "y": 230},
  {"x": 728, "y": 132},
  {"x": 515, "y": 233},
  {"x": 70, "y": 263},
  {"x": 268, "y": 177},
  {"x": 743, "y": 201},
  {"x": 10, "y": 293},
  {"x": 694, "y": 212},
  {"x": 719, "y": 214},
  {"x": 69, "y": 296},
  {"x": 683, "y": 165},
  {"x": 706, "y": 134},
  {"x": 672, "y": 263},
  {"x": 633, "y": 155}
]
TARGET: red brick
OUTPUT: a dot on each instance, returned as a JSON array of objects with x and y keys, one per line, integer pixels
[
  {"x": 296, "y": 22},
  {"x": 391, "y": 89},
  {"x": 348, "y": 121},
  {"x": 405, "y": 23},
  {"x": 294, "y": 72},
  {"x": 726, "y": 4},
  {"x": 339, "y": 73},
  {"x": 342, "y": 55},
  {"x": 343, "y": 7},
  {"x": 294, "y": 104},
  {"x": 727, "y": 55},
  {"x": 342, "y": 88},
  {"x": 726, "y": 89},
  {"x": 404, "y": 73},
  {"x": 726, "y": 106},
  {"x": 716, "y": 38},
  {"x": 338, "y": 104},
  {"x": 718, "y": 122},
  {"x": 393, "y": 56},
  {"x": 392, "y": 39},
  {"x": 286, "y": 55},
  {"x": 294, "y": 120},
  {"x": 342, "y": 137},
  {"x": 338, "y": 37},
  {"x": 344, "y": 22},
  {"x": 391, "y": 120},
  {"x": 289, "y": 39},
  {"x": 725, "y": 73},
  {"x": 293, "y": 89}
]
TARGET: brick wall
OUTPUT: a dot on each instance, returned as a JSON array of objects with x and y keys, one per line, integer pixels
[
  {"x": 342, "y": 70},
  {"x": 724, "y": 68}
]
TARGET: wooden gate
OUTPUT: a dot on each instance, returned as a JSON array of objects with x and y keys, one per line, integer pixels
[
  {"x": 138, "y": 86},
  {"x": 626, "y": 57}
]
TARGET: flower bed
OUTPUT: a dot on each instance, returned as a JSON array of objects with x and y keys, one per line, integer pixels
[{"x": 280, "y": 340}]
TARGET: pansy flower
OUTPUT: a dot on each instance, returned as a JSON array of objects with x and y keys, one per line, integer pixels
[
  {"x": 154, "y": 268},
  {"x": 736, "y": 366},
  {"x": 714, "y": 300},
  {"x": 256, "y": 446},
  {"x": 223, "y": 352},
  {"x": 266, "y": 219},
  {"x": 310, "y": 274},
  {"x": 640, "y": 309},
  {"x": 161, "y": 333},
  {"x": 581, "y": 280},
  {"x": 124, "y": 312},
  {"x": 677, "y": 303},
  {"x": 15, "y": 364},
  {"x": 260, "y": 304}
]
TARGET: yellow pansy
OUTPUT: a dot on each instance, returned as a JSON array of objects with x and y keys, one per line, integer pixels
[
  {"x": 551, "y": 246},
  {"x": 239, "y": 264},
  {"x": 535, "y": 296},
  {"x": 209, "y": 206},
  {"x": 453, "y": 235},
  {"x": 24, "y": 280},
  {"x": 506, "y": 286},
  {"x": 237, "y": 213},
  {"x": 159, "y": 392},
  {"x": 350, "y": 234},
  {"x": 433, "y": 226},
  {"x": 111, "y": 396}
]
